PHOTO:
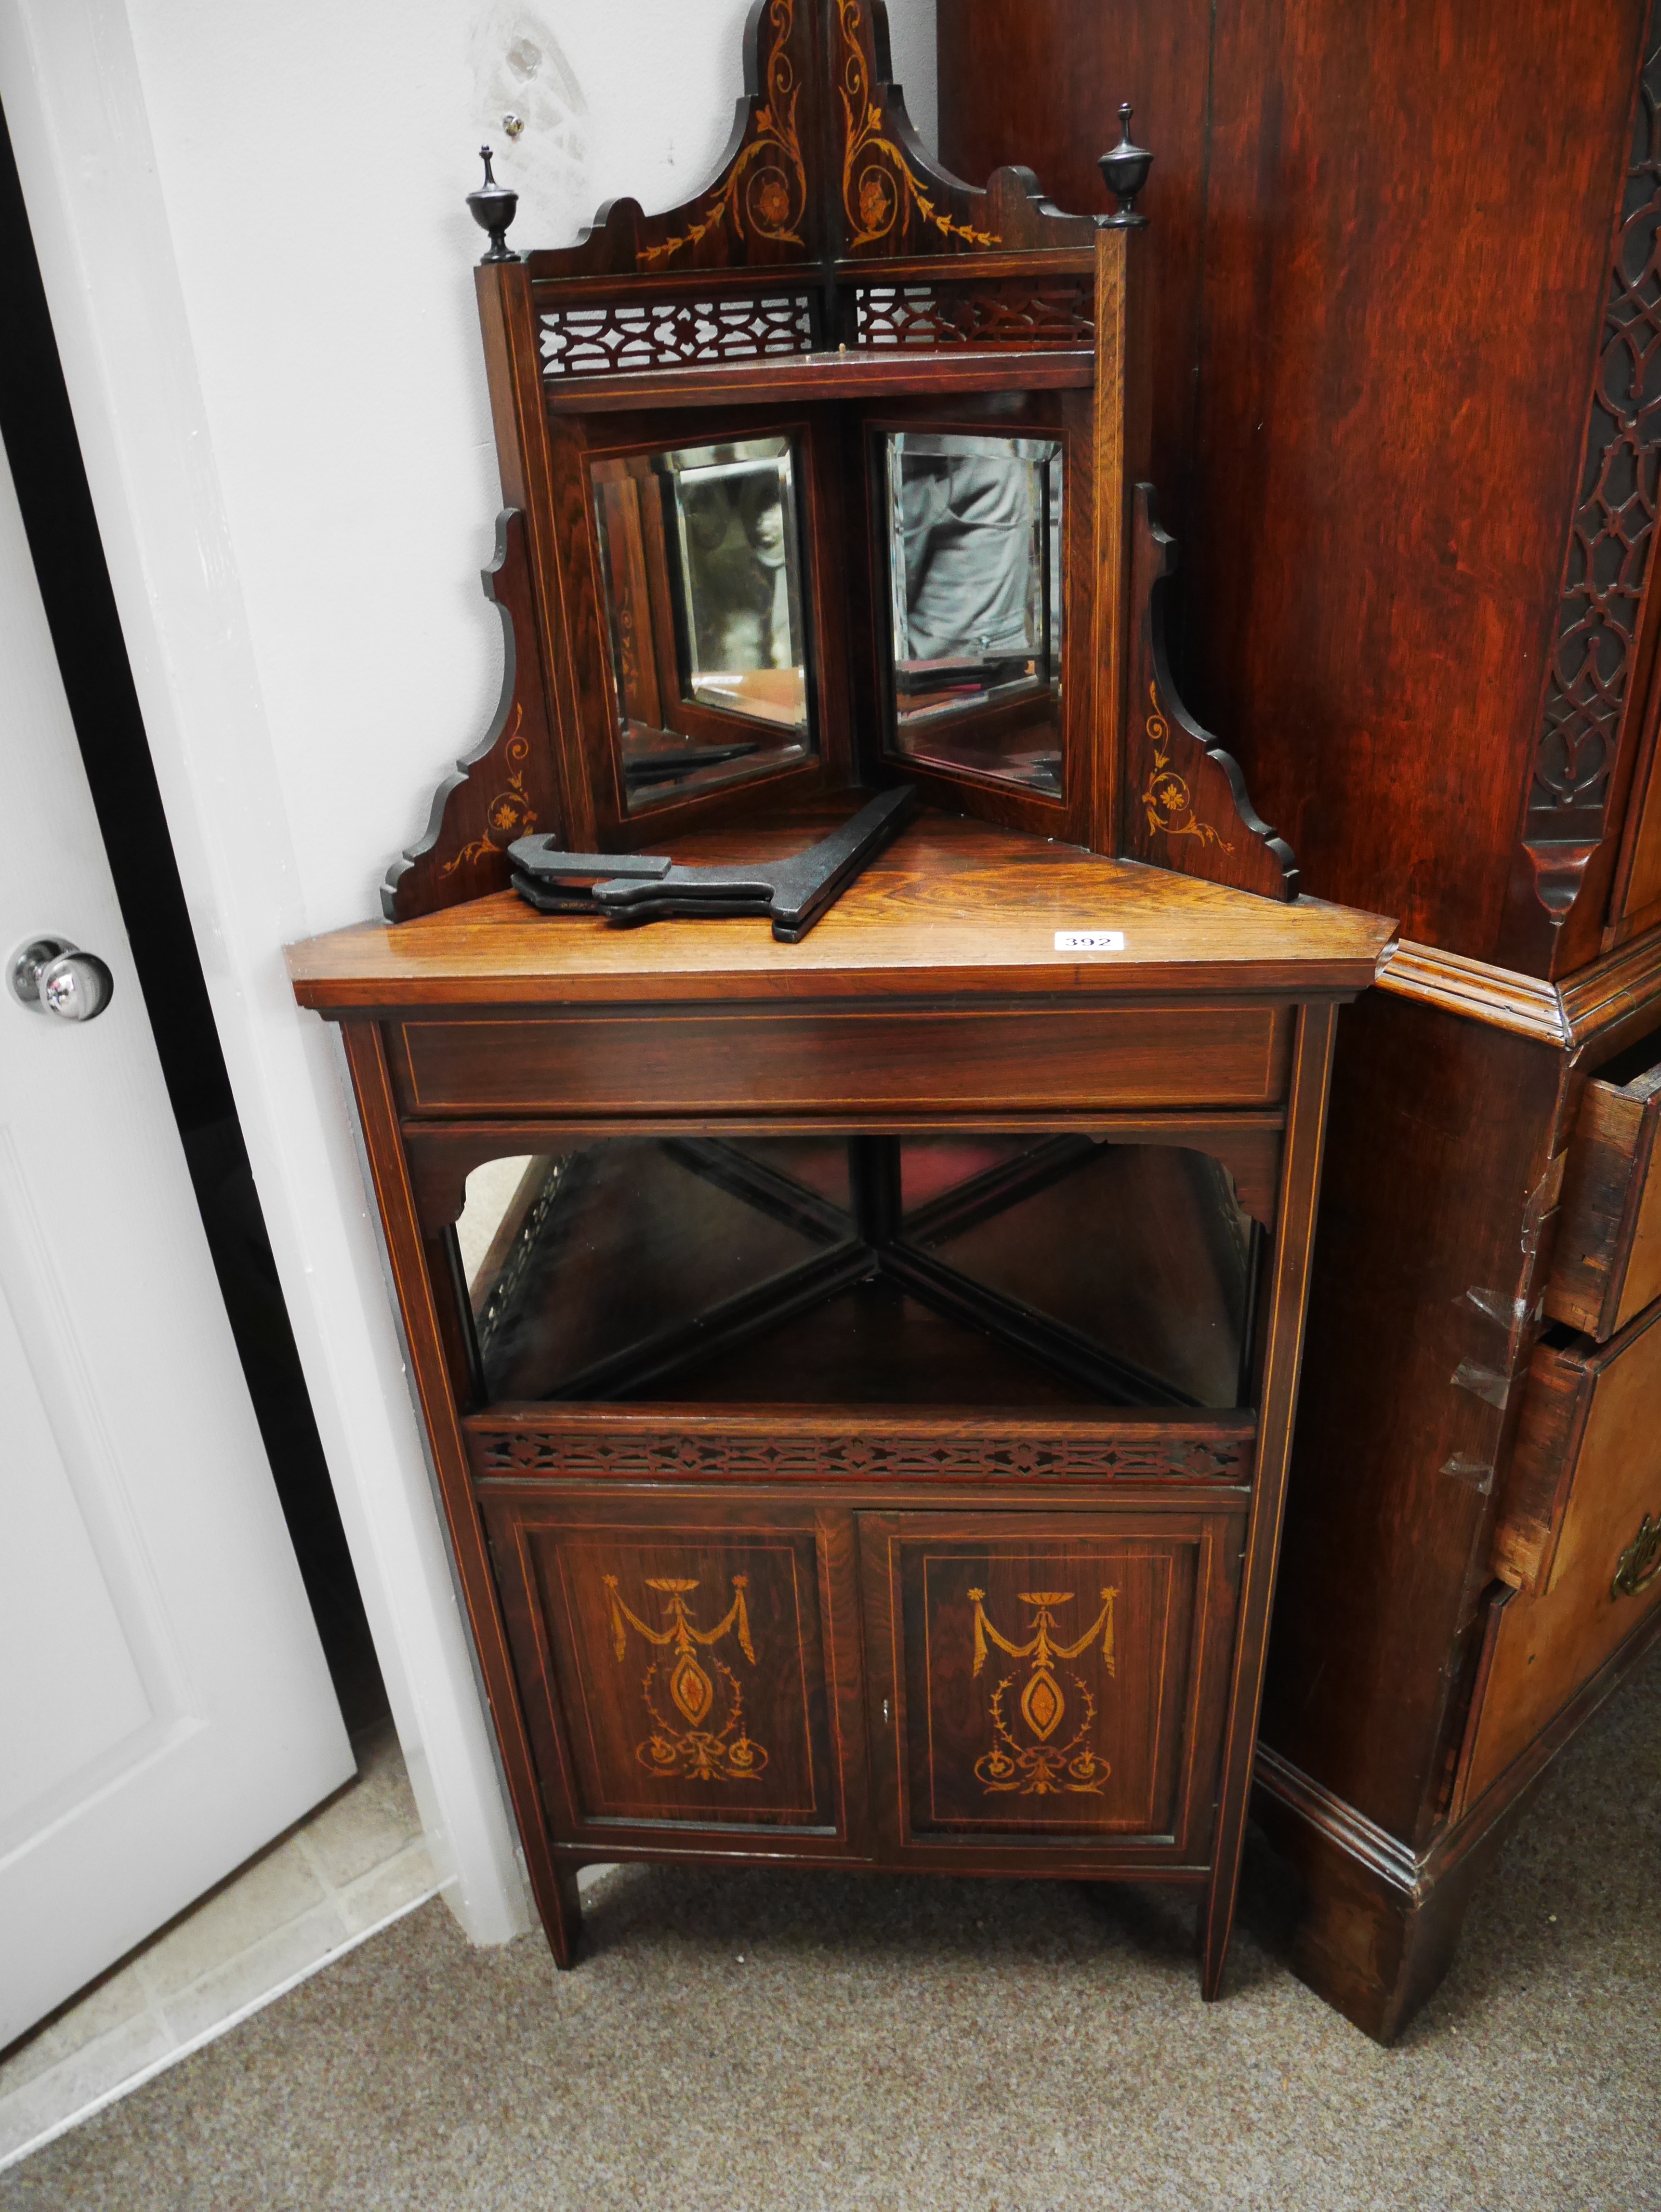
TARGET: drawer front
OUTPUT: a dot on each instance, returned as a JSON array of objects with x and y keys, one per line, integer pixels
[
  {"x": 686, "y": 1669},
  {"x": 677, "y": 1059},
  {"x": 1050, "y": 1681},
  {"x": 1606, "y": 1265},
  {"x": 1590, "y": 1432},
  {"x": 1602, "y": 1577}
]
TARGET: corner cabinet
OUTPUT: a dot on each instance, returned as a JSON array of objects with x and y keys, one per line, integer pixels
[
  {"x": 859, "y": 1364},
  {"x": 859, "y": 1373}
]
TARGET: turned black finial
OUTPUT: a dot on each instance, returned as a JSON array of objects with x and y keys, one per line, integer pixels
[
  {"x": 493, "y": 207},
  {"x": 1125, "y": 172}
]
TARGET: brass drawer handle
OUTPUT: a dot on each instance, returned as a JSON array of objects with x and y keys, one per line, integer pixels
[{"x": 1640, "y": 1563}]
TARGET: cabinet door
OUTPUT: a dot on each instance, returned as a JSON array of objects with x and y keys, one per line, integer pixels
[
  {"x": 1049, "y": 1681},
  {"x": 684, "y": 1665}
]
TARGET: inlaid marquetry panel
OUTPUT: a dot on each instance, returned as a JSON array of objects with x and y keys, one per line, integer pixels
[
  {"x": 681, "y": 1671},
  {"x": 1046, "y": 1682}
]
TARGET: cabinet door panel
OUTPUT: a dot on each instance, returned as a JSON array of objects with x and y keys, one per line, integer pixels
[
  {"x": 680, "y": 1670},
  {"x": 1055, "y": 1678}
]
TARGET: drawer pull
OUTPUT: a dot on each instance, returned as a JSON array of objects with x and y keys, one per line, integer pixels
[{"x": 1640, "y": 1563}]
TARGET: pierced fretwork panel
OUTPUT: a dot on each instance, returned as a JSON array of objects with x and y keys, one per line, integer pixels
[
  {"x": 1610, "y": 539},
  {"x": 868, "y": 1454},
  {"x": 608, "y": 337},
  {"x": 1016, "y": 312}
]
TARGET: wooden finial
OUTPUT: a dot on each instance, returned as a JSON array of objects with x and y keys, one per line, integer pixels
[
  {"x": 1125, "y": 172},
  {"x": 494, "y": 207}
]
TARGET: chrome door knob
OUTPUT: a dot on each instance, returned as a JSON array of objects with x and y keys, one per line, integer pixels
[{"x": 50, "y": 976}]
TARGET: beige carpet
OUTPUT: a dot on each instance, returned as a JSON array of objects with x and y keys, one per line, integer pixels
[{"x": 762, "y": 2043}]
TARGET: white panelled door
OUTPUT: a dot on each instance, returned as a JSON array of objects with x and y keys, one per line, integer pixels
[{"x": 164, "y": 1705}]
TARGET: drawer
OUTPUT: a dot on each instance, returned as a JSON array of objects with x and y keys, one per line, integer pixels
[
  {"x": 1589, "y": 1444},
  {"x": 1606, "y": 1265},
  {"x": 1593, "y": 1427},
  {"x": 675, "y": 1059}
]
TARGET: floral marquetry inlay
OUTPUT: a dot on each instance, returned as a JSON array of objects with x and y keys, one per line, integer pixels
[
  {"x": 508, "y": 813},
  {"x": 879, "y": 186},
  {"x": 766, "y": 188},
  {"x": 1169, "y": 801},
  {"x": 707, "y": 1742},
  {"x": 1025, "y": 1758}
]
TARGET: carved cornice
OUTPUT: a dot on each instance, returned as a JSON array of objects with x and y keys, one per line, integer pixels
[
  {"x": 1525, "y": 1005},
  {"x": 824, "y": 159}
]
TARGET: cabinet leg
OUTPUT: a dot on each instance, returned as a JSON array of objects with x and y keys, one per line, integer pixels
[
  {"x": 1217, "y": 1928},
  {"x": 561, "y": 1915}
]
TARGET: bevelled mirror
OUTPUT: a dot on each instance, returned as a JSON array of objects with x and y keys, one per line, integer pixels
[
  {"x": 973, "y": 551},
  {"x": 700, "y": 552}
]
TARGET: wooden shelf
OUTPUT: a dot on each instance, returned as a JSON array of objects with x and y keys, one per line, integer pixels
[
  {"x": 894, "y": 371},
  {"x": 952, "y": 906}
]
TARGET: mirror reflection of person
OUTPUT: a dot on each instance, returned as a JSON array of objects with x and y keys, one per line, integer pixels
[
  {"x": 967, "y": 520},
  {"x": 741, "y": 589}
]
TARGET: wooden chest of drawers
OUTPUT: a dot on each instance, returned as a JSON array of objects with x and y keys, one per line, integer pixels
[{"x": 1472, "y": 1532}]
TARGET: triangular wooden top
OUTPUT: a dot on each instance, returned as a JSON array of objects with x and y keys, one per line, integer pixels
[{"x": 953, "y": 908}]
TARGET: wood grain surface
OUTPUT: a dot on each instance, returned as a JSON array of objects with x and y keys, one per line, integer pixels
[
  {"x": 1374, "y": 356},
  {"x": 918, "y": 1058},
  {"x": 961, "y": 904}
]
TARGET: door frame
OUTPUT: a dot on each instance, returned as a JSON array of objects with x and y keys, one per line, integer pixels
[{"x": 75, "y": 104}]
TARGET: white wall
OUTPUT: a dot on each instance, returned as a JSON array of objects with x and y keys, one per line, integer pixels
[
  {"x": 338, "y": 353},
  {"x": 250, "y": 219}
]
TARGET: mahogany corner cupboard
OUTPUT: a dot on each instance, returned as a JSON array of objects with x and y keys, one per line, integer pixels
[
  {"x": 858, "y": 1356},
  {"x": 1408, "y": 426}
]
